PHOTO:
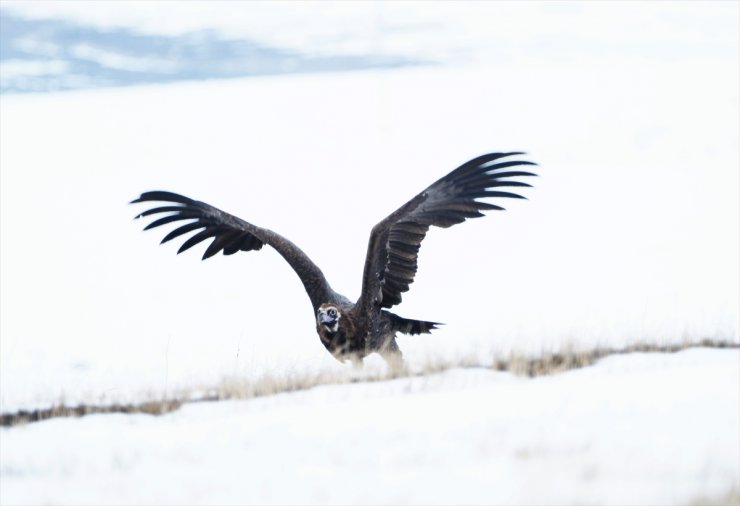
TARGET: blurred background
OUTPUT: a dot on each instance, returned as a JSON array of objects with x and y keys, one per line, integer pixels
[{"x": 317, "y": 119}]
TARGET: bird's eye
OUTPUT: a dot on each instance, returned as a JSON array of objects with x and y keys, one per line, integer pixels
[{"x": 332, "y": 312}]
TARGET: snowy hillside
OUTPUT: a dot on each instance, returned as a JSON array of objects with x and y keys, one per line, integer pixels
[
  {"x": 608, "y": 249},
  {"x": 630, "y": 234}
]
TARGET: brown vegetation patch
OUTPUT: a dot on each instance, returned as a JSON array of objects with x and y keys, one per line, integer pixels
[
  {"x": 731, "y": 498},
  {"x": 37, "y": 415},
  {"x": 552, "y": 363}
]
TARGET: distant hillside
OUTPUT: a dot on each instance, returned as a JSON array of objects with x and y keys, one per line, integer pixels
[{"x": 38, "y": 55}]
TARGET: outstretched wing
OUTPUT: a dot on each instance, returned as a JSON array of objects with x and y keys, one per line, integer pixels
[
  {"x": 230, "y": 234},
  {"x": 394, "y": 244}
]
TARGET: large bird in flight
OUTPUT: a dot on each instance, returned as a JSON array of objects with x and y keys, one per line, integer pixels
[{"x": 354, "y": 330}]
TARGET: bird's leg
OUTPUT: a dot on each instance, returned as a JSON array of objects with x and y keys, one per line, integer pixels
[
  {"x": 357, "y": 362},
  {"x": 393, "y": 356}
]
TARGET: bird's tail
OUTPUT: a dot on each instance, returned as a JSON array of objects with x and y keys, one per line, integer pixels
[{"x": 412, "y": 327}]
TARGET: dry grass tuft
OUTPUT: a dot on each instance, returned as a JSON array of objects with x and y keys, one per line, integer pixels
[
  {"x": 731, "y": 498},
  {"x": 149, "y": 407},
  {"x": 553, "y": 363},
  {"x": 237, "y": 388}
]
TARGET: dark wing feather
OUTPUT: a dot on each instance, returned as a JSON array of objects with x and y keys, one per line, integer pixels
[
  {"x": 230, "y": 235},
  {"x": 394, "y": 244}
]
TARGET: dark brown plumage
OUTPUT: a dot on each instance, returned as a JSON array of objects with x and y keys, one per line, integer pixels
[{"x": 354, "y": 330}]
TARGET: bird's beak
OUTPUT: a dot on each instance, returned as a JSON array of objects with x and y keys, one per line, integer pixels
[{"x": 325, "y": 318}]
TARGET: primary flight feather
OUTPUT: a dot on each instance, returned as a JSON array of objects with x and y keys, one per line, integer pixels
[{"x": 354, "y": 330}]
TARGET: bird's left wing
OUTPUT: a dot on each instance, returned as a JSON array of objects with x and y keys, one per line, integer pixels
[
  {"x": 230, "y": 235},
  {"x": 391, "y": 261}
]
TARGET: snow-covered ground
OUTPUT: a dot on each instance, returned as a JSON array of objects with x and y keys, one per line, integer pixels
[
  {"x": 635, "y": 429},
  {"x": 630, "y": 235}
]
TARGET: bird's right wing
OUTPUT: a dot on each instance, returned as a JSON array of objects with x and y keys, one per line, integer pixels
[{"x": 230, "y": 234}]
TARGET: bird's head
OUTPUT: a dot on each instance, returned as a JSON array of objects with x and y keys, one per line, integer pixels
[{"x": 328, "y": 316}]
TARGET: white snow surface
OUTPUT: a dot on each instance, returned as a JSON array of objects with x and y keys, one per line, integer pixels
[
  {"x": 631, "y": 234},
  {"x": 635, "y": 429}
]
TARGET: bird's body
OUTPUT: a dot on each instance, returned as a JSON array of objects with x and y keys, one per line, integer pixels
[{"x": 353, "y": 330}]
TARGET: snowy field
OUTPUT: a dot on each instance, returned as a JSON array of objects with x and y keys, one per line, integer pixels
[
  {"x": 630, "y": 235},
  {"x": 637, "y": 429}
]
